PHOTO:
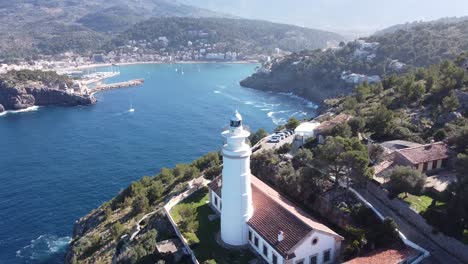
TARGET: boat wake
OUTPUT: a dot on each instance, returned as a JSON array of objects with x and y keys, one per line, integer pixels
[{"x": 43, "y": 247}]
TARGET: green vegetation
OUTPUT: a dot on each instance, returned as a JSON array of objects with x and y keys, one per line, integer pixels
[
  {"x": 115, "y": 218},
  {"x": 202, "y": 236},
  {"x": 419, "y": 203},
  {"x": 33, "y": 27},
  {"x": 407, "y": 180},
  {"x": 254, "y": 138},
  {"x": 292, "y": 123},
  {"x": 240, "y": 35},
  {"x": 46, "y": 78},
  {"x": 315, "y": 74}
]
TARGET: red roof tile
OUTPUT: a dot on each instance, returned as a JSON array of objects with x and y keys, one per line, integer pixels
[
  {"x": 425, "y": 153},
  {"x": 274, "y": 213},
  {"x": 383, "y": 256}
]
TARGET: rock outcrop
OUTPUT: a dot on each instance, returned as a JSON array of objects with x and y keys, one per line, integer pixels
[
  {"x": 16, "y": 97},
  {"x": 286, "y": 80},
  {"x": 2, "y": 109}
]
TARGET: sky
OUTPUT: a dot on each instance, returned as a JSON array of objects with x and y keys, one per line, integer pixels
[{"x": 340, "y": 16}]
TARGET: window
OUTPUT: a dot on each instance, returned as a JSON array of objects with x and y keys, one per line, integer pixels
[
  {"x": 326, "y": 256},
  {"x": 250, "y": 235},
  {"x": 216, "y": 201},
  {"x": 434, "y": 164},
  {"x": 425, "y": 166},
  {"x": 313, "y": 259},
  {"x": 301, "y": 261},
  {"x": 275, "y": 259},
  {"x": 265, "y": 251},
  {"x": 256, "y": 241},
  {"x": 314, "y": 241}
]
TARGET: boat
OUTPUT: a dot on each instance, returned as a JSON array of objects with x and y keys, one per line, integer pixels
[{"x": 131, "y": 110}]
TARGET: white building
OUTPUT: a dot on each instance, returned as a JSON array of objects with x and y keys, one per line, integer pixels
[
  {"x": 305, "y": 131},
  {"x": 255, "y": 215}
]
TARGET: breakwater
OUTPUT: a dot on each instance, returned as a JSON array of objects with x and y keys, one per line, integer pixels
[{"x": 119, "y": 85}]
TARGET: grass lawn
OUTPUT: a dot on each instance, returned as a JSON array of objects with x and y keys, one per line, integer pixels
[
  {"x": 206, "y": 233},
  {"x": 418, "y": 203}
]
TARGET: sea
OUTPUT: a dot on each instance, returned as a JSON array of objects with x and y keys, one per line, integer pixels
[{"x": 59, "y": 163}]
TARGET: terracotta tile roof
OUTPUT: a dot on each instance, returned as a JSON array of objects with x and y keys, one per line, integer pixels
[
  {"x": 425, "y": 153},
  {"x": 384, "y": 256},
  {"x": 274, "y": 213},
  {"x": 215, "y": 185}
]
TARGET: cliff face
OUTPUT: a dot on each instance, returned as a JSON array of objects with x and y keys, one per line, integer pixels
[
  {"x": 287, "y": 79},
  {"x": 16, "y": 98}
]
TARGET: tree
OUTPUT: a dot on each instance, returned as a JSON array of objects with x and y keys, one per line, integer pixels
[
  {"x": 407, "y": 180},
  {"x": 257, "y": 136},
  {"x": 292, "y": 123},
  {"x": 188, "y": 217},
  {"x": 155, "y": 191},
  {"x": 117, "y": 230},
  {"x": 341, "y": 130},
  {"x": 285, "y": 148},
  {"x": 356, "y": 166},
  {"x": 140, "y": 204},
  {"x": 302, "y": 158},
  {"x": 343, "y": 157},
  {"x": 357, "y": 125},
  {"x": 206, "y": 161},
  {"x": 381, "y": 122},
  {"x": 450, "y": 103}
]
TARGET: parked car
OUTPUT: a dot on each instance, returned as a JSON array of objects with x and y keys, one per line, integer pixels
[{"x": 273, "y": 140}]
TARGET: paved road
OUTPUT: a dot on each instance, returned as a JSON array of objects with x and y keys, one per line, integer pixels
[
  {"x": 266, "y": 145},
  {"x": 438, "y": 254}
]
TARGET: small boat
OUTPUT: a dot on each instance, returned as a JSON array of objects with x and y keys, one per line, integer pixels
[{"x": 131, "y": 110}]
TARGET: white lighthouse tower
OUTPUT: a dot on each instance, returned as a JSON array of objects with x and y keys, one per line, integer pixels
[{"x": 236, "y": 190}]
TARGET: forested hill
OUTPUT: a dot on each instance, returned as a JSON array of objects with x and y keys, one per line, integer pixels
[
  {"x": 239, "y": 35},
  {"x": 31, "y": 27},
  {"x": 317, "y": 74},
  {"x": 410, "y": 25}
]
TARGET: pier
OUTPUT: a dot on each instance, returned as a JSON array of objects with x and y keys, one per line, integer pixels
[{"x": 111, "y": 86}]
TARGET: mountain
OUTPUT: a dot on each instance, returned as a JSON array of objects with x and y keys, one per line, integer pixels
[
  {"x": 317, "y": 74},
  {"x": 410, "y": 25},
  {"x": 222, "y": 35},
  {"x": 31, "y": 27}
]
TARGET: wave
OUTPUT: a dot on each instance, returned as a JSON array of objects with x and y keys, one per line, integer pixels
[
  {"x": 43, "y": 247},
  {"x": 308, "y": 103},
  {"x": 216, "y": 92},
  {"x": 27, "y": 109},
  {"x": 277, "y": 120},
  {"x": 221, "y": 86}
]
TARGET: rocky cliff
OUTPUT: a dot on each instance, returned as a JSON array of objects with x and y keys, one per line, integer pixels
[{"x": 14, "y": 97}]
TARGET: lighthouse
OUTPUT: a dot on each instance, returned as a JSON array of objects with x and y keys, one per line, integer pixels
[{"x": 236, "y": 190}]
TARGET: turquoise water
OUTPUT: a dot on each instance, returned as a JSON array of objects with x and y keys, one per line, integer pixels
[{"x": 58, "y": 163}]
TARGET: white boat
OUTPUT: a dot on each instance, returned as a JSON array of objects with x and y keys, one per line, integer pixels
[{"x": 131, "y": 110}]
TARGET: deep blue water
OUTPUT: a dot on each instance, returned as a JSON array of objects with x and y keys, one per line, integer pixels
[{"x": 58, "y": 163}]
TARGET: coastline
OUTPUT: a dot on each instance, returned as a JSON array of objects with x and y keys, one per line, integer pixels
[{"x": 87, "y": 66}]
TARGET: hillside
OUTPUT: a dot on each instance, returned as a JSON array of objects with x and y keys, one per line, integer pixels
[
  {"x": 316, "y": 74},
  {"x": 238, "y": 35},
  {"x": 29, "y": 27}
]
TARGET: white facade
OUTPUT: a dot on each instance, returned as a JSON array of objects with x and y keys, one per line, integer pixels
[
  {"x": 315, "y": 248},
  {"x": 268, "y": 253},
  {"x": 236, "y": 190}
]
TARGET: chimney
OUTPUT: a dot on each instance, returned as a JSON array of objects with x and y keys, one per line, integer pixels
[{"x": 280, "y": 236}]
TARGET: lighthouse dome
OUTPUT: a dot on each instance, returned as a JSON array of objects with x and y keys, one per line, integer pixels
[{"x": 236, "y": 119}]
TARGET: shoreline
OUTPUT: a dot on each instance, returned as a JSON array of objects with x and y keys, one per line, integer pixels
[{"x": 87, "y": 66}]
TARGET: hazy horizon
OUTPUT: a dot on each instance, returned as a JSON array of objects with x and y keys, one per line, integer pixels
[{"x": 341, "y": 16}]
